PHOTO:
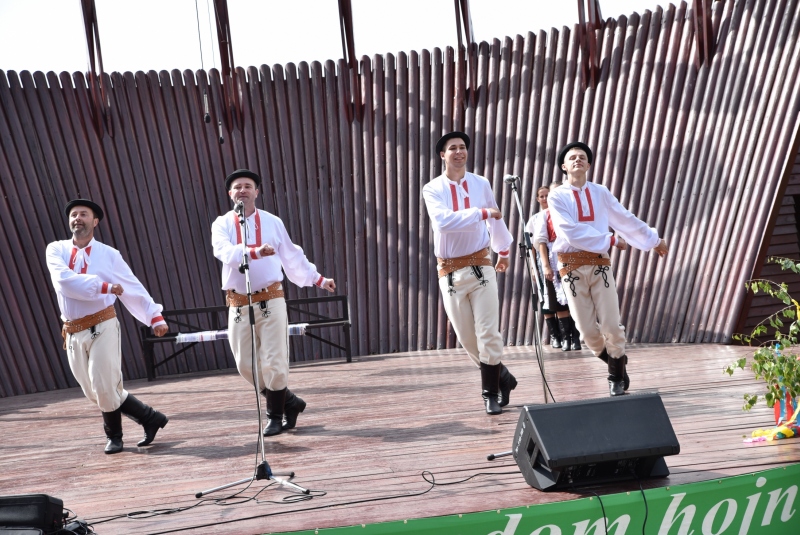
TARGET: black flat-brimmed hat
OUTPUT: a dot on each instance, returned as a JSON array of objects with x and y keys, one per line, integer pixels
[
  {"x": 242, "y": 173},
  {"x": 451, "y": 135},
  {"x": 98, "y": 212},
  {"x": 574, "y": 145}
]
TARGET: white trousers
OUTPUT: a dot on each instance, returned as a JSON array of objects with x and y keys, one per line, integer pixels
[
  {"x": 594, "y": 305},
  {"x": 272, "y": 343},
  {"x": 96, "y": 364},
  {"x": 474, "y": 312}
]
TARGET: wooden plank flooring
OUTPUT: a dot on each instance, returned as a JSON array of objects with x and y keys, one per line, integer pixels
[{"x": 371, "y": 429}]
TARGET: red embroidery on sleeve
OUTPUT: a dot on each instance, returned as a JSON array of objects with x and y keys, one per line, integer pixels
[{"x": 156, "y": 320}]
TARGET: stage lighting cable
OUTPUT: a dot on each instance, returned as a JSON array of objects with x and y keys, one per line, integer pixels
[{"x": 426, "y": 475}]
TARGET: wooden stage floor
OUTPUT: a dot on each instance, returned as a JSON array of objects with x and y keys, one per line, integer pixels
[{"x": 372, "y": 427}]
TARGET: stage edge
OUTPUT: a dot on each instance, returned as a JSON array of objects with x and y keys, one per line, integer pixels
[{"x": 761, "y": 503}]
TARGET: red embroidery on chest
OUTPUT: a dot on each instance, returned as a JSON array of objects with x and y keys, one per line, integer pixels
[
  {"x": 239, "y": 229},
  {"x": 582, "y": 217},
  {"x": 72, "y": 259},
  {"x": 551, "y": 231},
  {"x": 454, "y": 195}
]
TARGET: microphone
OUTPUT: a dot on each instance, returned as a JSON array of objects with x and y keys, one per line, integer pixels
[
  {"x": 239, "y": 208},
  {"x": 510, "y": 179}
]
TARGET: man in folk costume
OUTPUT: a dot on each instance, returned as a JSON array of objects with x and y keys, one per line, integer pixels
[
  {"x": 88, "y": 277},
  {"x": 582, "y": 213},
  {"x": 552, "y": 298},
  {"x": 466, "y": 222},
  {"x": 270, "y": 249}
]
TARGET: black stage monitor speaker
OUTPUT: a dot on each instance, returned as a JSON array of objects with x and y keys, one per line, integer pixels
[
  {"x": 32, "y": 511},
  {"x": 595, "y": 441}
]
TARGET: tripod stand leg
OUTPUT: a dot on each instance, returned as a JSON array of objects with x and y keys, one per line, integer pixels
[
  {"x": 287, "y": 483},
  {"x": 209, "y": 491},
  {"x": 493, "y": 456}
]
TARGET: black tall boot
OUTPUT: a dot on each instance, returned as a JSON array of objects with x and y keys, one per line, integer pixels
[
  {"x": 507, "y": 383},
  {"x": 112, "y": 425},
  {"x": 292, "y": 407},
  {"x": 144, "y": 415},
  {"x": 604, "y": 357},
  {"x": 576, "y": 336},
  {"x": 555, "y": 332},
  {"x": 616, "y": 376},
  {"x": 276, "y": 400},
  {"x": 566, "y": 333},
  {"x": 490, "y": 383}
]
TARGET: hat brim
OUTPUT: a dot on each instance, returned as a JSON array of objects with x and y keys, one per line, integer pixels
[
  {"x": 574, "y": 145},
  {"x": 445, "y": 138},
  {"x": 242, "y": 173},
  {"x": 98, "y": 212}
]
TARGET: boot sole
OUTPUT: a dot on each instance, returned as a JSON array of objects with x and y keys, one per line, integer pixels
[
  {"x": 286, "y": 426},
  {"x": 146, "y": 442}
]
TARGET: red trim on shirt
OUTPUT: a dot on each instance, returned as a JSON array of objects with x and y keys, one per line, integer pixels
[
  {"x": 72, "y": 259},
  {"x": 253, "y": 253},
  {"x": 320, "y": 281},
  {"x": 484, "y": 213},
  {"x": 156, "y": 320},
  {"x": 551, "y": 231},
  {"x": 104, "y": 289},
  {"x": 455, "y": 197},
  {"x": 466, "y": 199},
  {"x": 239, "y": 230},
  {"x": 613, "y": 240},
  {"x": 503, "y": 253},
  {"x": 582, "y": 217}
]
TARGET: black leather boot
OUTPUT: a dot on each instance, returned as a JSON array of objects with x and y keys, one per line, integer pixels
[
  {"x": 292, "y": 407},
  {"x": 507, "y": 383},
  {"x": 566, "y": 333},
  {"x": 555, "y": 332},
  {"x": 112, "y": 425},
  {"x": 276, "y": 400},
  {"x": 616, "y": 376},
  {"x": 575, "y": 335},
  {"x": 144, "y": 415},
  {"x": 490, "y": 383},
  {"x": 604, "y": 357}
]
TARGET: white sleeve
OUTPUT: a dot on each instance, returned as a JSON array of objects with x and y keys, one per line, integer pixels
[
  {"x": 540, "y": 230},
  {"x": 498, "y": 231},
  {"x": 580, "y": 236},
  {"x": 135, "y": 297},
  {"x": 295, "y": 264},
  {"x": 82, "y": 287},
  {"x": 444, "y": 219},
  {"x": 224, "y": 250},
  {"x": 632, "y": 229}
]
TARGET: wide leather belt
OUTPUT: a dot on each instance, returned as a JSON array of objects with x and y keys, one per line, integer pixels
[
  {"x": 86, "y": 322},
  {"x": 571, "y": 261},
  {"x": 449, "y": 265},
  {"x": 273, "y": 291}
]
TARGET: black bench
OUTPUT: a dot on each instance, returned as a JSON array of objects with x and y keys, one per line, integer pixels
[{"x": 218, "y": 320}]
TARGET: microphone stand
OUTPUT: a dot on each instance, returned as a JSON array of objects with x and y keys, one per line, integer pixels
[
  {"x": 263, "y": 470},
  {"x": 526, "y": 252}
]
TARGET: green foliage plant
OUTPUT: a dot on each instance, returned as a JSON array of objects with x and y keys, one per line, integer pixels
[{"x": 774, "y": 361}]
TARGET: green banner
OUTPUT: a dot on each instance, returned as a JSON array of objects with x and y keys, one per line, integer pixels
[{"x": 763, "y": 503}]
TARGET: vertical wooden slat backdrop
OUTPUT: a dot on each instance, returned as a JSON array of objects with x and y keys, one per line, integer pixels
[{"x": 698, "y": 152}]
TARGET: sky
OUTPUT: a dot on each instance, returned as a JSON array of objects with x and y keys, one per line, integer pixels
[{"x": 48, "y": 35}]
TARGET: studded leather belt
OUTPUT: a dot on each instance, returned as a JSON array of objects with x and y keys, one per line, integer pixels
[
  {"x": 273, "y": 291},
  {"x": 581, "y": 258},
  {"x": 449, "y": 265},
  {"x": 87, "y": 322}
]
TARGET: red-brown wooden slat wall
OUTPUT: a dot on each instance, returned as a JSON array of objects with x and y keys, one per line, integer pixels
[{"x": 698, "y": 152}]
